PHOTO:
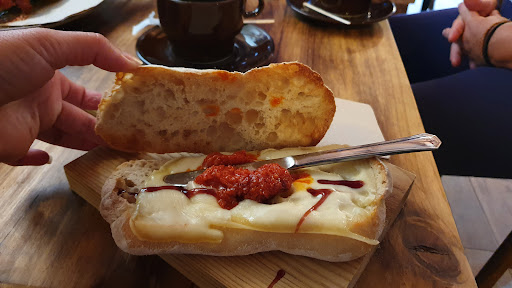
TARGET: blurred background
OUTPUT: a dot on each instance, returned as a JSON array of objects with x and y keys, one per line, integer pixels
[{"x": 405, "y": 6}]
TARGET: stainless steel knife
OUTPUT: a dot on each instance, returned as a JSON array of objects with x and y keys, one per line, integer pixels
[{"x": 416, "y": 143}]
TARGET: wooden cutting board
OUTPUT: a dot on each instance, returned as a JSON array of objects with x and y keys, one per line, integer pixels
[{"x": 87, "y": 174}]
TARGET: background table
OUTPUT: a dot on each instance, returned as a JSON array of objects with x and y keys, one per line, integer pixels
[{"x": 51, "y": 237}]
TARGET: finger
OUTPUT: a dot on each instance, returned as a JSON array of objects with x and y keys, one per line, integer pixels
[
  {"x": 78, "y": 95},
  {"x": 58, "y": 137},
  {"x": 456, "y": 30},
  {"x": 473, "y": 5},
  {"x": 482, "y": 7},
  {"x": 465, "y": 14},
  {"x": 74, "y": 121},
  {"x": 455, "y": 54},
  {"x": 495, "y": 13},
  {"x": 39, "y": 52},
  {"x": 18, "y": 129},
  {"x": 63, "y": 48},
  {"x": 446, "y": 32},
  {"x": 34, "y": 157}
]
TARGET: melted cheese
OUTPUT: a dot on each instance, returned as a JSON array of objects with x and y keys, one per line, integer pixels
[{"x": 168, "y": 215}]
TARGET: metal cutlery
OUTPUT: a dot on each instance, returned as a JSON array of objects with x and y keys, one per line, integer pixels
[{"x": 416, "y": 143}]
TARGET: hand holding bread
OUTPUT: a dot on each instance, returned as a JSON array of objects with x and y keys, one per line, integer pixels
[{"x": 38, "y": 102}]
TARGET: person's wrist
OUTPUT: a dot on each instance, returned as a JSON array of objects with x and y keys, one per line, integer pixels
[
  {"x": 488, "y": 35},
  {"x": 498, "y": 54}
]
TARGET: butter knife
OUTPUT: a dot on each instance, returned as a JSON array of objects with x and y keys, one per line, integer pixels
[{"x": 416, "y": 143}]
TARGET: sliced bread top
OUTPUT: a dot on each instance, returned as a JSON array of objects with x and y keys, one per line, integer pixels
[{"x": 160, "y": 109}]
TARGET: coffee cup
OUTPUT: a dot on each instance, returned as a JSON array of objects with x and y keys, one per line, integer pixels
[
  {"x": 203, "y": 30},
  {"x": 345, "y": 8}
]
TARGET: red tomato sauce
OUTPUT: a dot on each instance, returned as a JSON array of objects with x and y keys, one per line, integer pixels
[
  {"x": 237, "y": 184},
  {"x": 237, "y": 158}
]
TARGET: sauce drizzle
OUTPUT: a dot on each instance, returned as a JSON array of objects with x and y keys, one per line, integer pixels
[
  {"x": 280, "y": 274},
  {"x": 348, "y": 183},
  {"x": 315, "y": 192},
  {"x": 325, "y": 193}
]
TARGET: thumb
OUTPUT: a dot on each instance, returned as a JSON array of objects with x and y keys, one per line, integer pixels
[
  {"x": 34, "y": 157},
  {"x": 495, "y": 13},
  {"x": 465, "y": 14},
  {"x": 482, "y": 7}
]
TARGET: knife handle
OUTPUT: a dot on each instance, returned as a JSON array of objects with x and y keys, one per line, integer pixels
[{"x": 415, "y": 143}]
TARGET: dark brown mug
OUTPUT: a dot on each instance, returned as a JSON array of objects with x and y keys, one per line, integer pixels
[
  {"x": 203, "y": 30},
  {"x": 345, "y": 8}
]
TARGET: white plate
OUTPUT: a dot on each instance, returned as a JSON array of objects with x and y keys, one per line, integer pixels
[
  {"x": 354, "y": 124},
  {"x": 55, "y": 13}
]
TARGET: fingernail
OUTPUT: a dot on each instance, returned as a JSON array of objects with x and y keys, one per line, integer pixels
[{"x": 132, "y": 59}]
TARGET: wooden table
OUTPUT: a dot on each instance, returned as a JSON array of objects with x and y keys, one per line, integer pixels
[{"x": 51, "y": 237}]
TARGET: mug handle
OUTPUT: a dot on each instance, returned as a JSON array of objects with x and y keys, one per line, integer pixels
[{"x": 255, "y": 12}]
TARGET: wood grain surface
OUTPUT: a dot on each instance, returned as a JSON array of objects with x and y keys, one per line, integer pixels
[
  {"x": 50, "y": 237},
  {"x": 87, "y": 174}
]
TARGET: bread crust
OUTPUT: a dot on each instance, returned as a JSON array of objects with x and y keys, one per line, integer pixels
[
  {"x": 117, "y": 211},
  {"x": 160, "y": 109}
]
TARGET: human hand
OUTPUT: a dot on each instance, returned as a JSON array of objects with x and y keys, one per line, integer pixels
[
  {"x": 468, "y": 40},
  {"x": 483, "y": 8},
  {"x": 37, "y": 101}
]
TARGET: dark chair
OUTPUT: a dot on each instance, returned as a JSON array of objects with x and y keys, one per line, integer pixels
[
  {"x": 427, "y": 4},
  {"x": 498, "y": 264}
]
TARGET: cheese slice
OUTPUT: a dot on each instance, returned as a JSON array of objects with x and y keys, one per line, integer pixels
[{"x": 168, "y": 215}]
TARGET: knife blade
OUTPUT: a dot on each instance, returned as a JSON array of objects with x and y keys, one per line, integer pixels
[{"x": 415, "y": 143}]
